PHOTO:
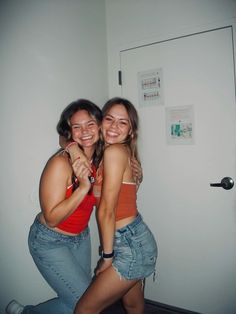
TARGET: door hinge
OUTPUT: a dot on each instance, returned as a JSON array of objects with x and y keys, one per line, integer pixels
[{"x": 119, "y": 77}]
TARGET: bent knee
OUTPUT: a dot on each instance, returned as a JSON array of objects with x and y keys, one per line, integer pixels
[
  {"x": 133, "y": 306},
  {"x": 84, "y": 309}
]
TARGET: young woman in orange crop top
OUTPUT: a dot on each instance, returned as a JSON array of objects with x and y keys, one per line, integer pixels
[{"x": 129, "y": 250}]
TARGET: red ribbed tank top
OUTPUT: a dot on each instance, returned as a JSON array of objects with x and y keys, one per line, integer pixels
[{"x": 79, "y": 219}]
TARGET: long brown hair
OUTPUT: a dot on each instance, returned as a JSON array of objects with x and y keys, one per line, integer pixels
[{"x": 131, "y": 139}]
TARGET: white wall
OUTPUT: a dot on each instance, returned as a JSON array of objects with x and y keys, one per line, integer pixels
[
  {"x": 51, "y": 53},
  {"x": 129, "y": 24},
  {"x": 135, "y": 21}
]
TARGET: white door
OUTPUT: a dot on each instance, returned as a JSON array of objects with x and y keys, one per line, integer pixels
[{"x": 194, "y": 223}]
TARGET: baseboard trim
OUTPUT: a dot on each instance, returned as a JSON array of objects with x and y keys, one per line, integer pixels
[{"x": 169, "y": 307}]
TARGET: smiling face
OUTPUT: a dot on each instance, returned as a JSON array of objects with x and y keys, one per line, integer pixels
[
  {"x": 116, "y": 125},
  {"x": 84, "y": 129}
]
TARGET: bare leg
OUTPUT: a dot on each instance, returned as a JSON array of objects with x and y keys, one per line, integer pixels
[
  {"x": 107, "y": 288},
  {"x": 133, "y": 300}
]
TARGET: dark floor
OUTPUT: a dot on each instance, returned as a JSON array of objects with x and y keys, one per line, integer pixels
[{"x": 150, "y": 308}]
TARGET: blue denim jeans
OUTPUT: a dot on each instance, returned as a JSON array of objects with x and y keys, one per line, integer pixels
[
  {"x": 64, "y": 262},
  {"x": 135, "y": 250}
]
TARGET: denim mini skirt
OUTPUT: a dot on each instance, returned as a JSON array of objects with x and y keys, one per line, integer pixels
[{"x": 135, "y": 250}]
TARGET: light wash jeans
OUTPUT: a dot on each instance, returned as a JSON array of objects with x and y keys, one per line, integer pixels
[{"x": 64, "y": 262}]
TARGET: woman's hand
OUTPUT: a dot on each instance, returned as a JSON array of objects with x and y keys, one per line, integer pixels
[
  {"x": 82, "y": 173},
  {"x": 74, "y": 151},
  {"x": 78, "y": 155},
  {"x": 103, "y": 264},
  {"x": 136, "y": 171}
]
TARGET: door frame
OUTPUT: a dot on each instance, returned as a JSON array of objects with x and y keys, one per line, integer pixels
[{"x": 162, "y": 37}]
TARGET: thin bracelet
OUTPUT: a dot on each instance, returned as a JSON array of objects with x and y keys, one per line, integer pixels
[{"x": 69, "y": 145}]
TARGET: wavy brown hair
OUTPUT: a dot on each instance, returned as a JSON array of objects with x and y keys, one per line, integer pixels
[
  {"x": 64, "y": 127},
  {"x": 131, "y": 139}
]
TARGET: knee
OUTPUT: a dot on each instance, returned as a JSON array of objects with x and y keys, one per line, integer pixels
[
  {"x": 133, "y": 307},
  {"x": 82, "y": 309}
]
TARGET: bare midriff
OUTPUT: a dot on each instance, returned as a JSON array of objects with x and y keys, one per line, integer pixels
[
  {"x": 43, "y": 221},
  {"x": 124, "y": 222}
]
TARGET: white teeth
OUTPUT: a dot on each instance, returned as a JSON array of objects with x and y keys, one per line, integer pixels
[
  {"x": 84, "y": 138},
  {"x": 110, "y": 133}
]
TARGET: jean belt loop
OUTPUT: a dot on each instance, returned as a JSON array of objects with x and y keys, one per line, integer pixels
[{"x": 130, "y": 230}]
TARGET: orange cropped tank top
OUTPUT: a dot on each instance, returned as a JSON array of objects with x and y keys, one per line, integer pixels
[{"x": 126, "y": 205}]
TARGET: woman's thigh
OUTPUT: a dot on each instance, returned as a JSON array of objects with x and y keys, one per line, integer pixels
[
  {"x": 133, "y": 300},
  {"x": 107, "y": 288},
  {"x": 58, "y": 263},
  {"x": 82, "y": 254}
]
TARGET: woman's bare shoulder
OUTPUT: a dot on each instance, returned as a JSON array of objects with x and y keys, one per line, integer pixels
[
  {"x": 116, "y": 154},
  {"x": 58, "y": 162},
  {"x": 116, "y": 149}
]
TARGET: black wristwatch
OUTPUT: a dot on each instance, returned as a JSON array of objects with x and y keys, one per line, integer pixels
[{"x": 107, "y": 255}]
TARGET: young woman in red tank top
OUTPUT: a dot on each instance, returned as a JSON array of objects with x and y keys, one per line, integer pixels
[{"x": 59, "y": 239}]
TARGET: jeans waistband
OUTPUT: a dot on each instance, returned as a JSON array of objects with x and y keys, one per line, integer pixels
[
  {"x": 130, "y": 227},
  {"x": 58, "y": 235}
]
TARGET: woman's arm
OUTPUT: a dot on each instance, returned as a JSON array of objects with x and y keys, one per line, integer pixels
[
  {"x": 53, "y": 184},
  {"x": 114, "y": 164},
  {"x": 75, "y": 152}
]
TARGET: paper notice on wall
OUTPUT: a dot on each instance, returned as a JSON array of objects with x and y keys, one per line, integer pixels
[
  {"x": 180, "y": 125},
  {"x": 150, "y": 87}
]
